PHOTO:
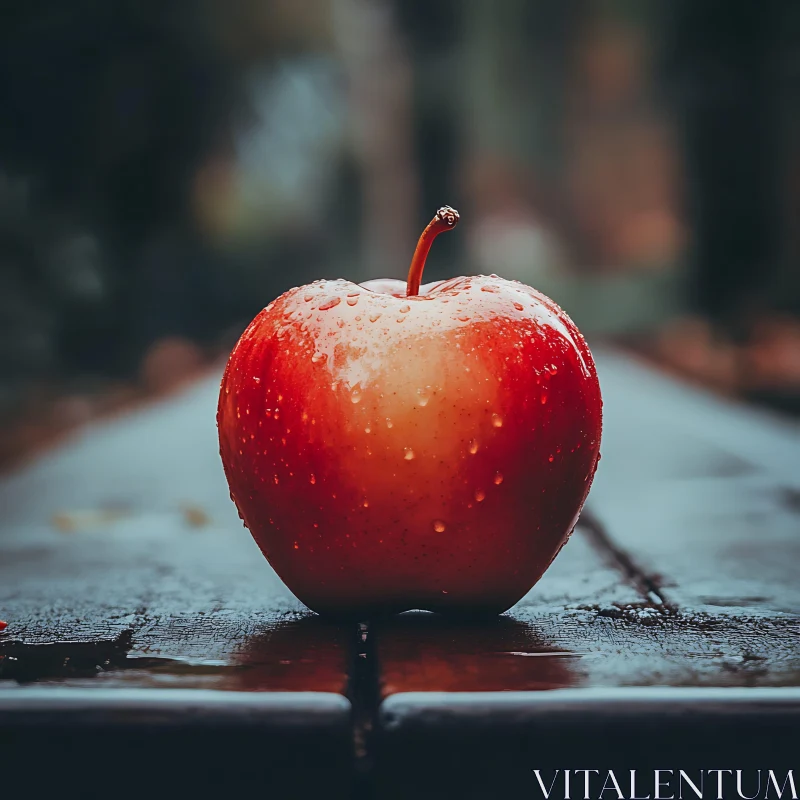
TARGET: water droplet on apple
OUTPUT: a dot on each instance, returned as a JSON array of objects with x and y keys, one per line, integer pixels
[
  {"x": 544, "y": 398},
  {"x": 365, "y": 503},
  {"x": 352, "y": 300},
  {"x": 405, "y": 309},
  {"x": 308, "y": 298},
  {"x": 312, "y": 478},
  {"x": 550, "y": 459},
  {"x": 498, "y": 478},
  {"x": 375, "y": 317},
  {"x": 400, "y": 319},
  {"x": 275, "y": 479},
  {"x": 439, "y": 526},
  {"x": 519, "y": 306},
  {"x": 497, "y": 421},
  {"x": 463, "y": 318},
  {"x": 389, "y": 423},
  {"x": 355, "y": 395},
  {"x": 296, "y": 546},
  {"x": 490, "y": 289},
  {"x": 473, "y": 446},
  {"x": 480, "y": 495},
  {"x": 368, "y": 429},
  {"x": 331, "y": 302},
  {"x": 409, "y": 454},
  {"x": 317, "y": 357},
  {"x": 423, "y": 396}
]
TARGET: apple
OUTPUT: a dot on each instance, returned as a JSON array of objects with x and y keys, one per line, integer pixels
[{"x": 394, "y": 447}]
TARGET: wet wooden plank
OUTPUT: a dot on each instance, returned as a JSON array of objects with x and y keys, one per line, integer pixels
[
  {"x": 477, "y": 745},
  {"x": 125, "y": 540},
  {"x": 162, "y": 605},
  {"x": 701, "y": 492},
  {"x": 147, "y": 634},
  {"x": 78, "y": 743}
]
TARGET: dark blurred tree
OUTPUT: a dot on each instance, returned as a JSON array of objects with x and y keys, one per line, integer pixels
[
  {"x": 107, "y": 111},
  {"x": 724, "y": 61},
  {"x": 433, "y": 33}
]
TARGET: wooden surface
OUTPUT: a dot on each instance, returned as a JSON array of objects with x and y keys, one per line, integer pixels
[{"x": 133, "y": 594}]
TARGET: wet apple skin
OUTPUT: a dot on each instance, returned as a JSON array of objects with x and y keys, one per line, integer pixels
[{"x": 390, "y": 453}]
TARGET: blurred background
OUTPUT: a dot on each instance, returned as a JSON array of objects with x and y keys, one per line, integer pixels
[{"x": 167, "y": 168}]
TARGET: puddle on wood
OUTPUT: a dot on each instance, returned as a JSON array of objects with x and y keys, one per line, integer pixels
[
  {"x": 428, "y": 652},
  {"x": 544, "y": 655},
  {"x": 25, "y": 662},
  {"x": 304, "y": 654}
]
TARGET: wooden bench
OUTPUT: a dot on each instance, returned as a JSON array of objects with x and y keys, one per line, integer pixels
[{"x": 151, "y": 650}]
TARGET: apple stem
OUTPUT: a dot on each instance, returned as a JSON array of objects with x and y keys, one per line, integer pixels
[{"x": 445, "y": 219}]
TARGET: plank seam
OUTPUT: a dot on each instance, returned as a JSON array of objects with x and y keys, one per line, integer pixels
[
  {"x": 646, "y": 584},
  {"x": 363, "y": 691}
]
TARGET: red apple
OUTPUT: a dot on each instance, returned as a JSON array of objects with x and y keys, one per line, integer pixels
[{"x": 391, "y": 447}]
